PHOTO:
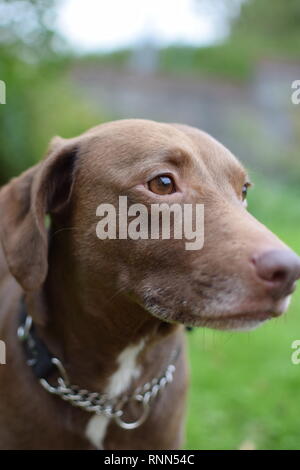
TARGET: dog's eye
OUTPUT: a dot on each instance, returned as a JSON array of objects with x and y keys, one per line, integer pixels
[
  {"x": 245, "y": 191},
  {"x": 162, "y": 185}
]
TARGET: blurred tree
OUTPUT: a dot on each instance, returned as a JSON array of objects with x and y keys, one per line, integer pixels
[
  {"x": 268, "y": 28},
  {"x": 26, "y": 30},
  {"x": 27, "y": 57},
  {"x": 266, "y": 22},
  {"x": 272, "y": 19},
  {"x": 39, "y": 101},
  {"x": 252, "y": 30}
]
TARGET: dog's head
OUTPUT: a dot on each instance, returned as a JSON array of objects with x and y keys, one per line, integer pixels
[{"x": 243, "y": 274}]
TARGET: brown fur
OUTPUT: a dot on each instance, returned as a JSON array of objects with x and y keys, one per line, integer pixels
[{"x": 91, "y": 298}]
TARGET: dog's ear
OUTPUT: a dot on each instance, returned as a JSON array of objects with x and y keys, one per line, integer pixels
[{"x": 24, "y": 203}]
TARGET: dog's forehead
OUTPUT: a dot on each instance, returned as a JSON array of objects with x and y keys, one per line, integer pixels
[
  {"x": 223, "y": 170},
  {"x": 134, "y": 139},
  {"x": 130, "y": 146},
  {"x": 137, "y": 144},
  {"x": 218, "y": 160}
]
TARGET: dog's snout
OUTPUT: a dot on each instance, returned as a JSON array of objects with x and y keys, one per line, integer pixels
[{"x": 279, "y": 269}]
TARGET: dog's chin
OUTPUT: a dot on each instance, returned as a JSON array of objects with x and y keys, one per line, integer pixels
[
  {"x": 232, "y": 324},
  {"x": 243, "y": 321},
  {"x": 240, "y": 321}
]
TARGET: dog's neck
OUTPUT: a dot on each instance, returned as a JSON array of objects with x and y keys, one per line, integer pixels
[{"x": 88, "y": 326}]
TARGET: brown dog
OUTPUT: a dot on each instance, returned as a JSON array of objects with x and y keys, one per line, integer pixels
[{"x": 112, "y": 310}]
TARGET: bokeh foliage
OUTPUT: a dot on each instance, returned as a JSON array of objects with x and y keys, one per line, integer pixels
[
  {"x": 40, "y": 102},
  {"x": 263, "y": 28}
]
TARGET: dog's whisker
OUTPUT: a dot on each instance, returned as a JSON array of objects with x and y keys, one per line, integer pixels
[
  {"x": 119, "y": 291},
  {"x": 64, "y": 229}
]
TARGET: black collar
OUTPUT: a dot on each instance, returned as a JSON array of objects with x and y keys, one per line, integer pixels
[{"x": 38, "y": 356}]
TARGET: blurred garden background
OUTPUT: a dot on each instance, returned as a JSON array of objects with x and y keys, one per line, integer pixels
[{"x": 226, "y": 66}]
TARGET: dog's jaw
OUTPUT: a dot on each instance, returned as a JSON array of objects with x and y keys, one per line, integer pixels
[{"x": 241, "y": 321}]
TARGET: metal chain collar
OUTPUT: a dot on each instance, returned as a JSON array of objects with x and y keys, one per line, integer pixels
[{"x": 101, "y": 404}]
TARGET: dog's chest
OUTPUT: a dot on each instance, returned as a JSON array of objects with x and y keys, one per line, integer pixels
[{"x": 118, "y": 384}]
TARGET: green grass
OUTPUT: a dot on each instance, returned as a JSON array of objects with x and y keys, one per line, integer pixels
[{"x": 244, "y": 387}]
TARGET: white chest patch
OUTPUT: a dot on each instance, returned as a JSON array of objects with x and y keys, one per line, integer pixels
[{"x": 118, "y": 383}]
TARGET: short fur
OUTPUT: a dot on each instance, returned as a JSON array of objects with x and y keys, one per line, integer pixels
[{"x": 92, "y": 299}]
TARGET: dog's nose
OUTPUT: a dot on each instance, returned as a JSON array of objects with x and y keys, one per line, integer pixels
[{"x": 279, "y": 269}]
